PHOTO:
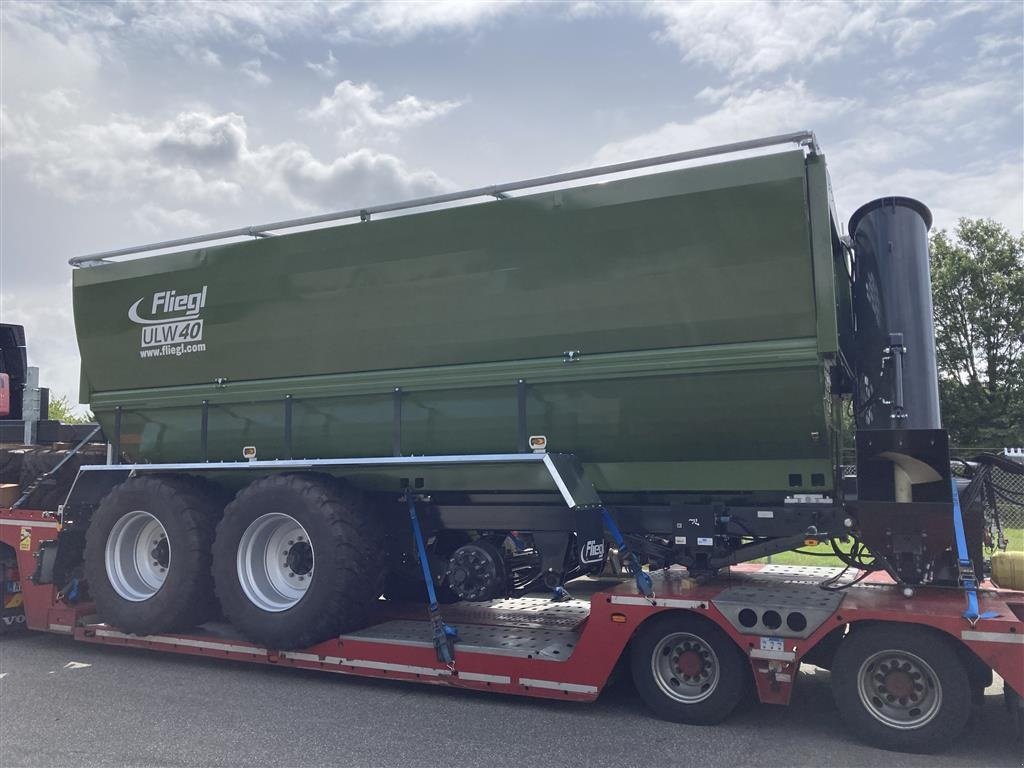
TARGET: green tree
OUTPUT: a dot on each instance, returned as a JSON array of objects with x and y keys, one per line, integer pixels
[
  {"x": 978, "y": 295},
  {"x": 63, "y": 411}
]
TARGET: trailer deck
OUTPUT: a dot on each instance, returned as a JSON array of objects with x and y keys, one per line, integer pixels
[{"x": 531, "y": 646}]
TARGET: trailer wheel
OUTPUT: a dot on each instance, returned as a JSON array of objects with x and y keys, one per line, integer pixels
[
  {"x": 901, "y": 688},
  {"x": 297, "y": 559},
  {"x": 147, "y": 555},
  {"x": 688, "y": 670}
]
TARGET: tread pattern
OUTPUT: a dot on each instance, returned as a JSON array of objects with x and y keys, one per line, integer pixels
[
  {"x": 925, "y": 643},
  {"x": 734, "y": 669},
  {"x": 189, "y": 516},
  {"x": 348, "y": 541},
  {"x": 38, "y": 461}
]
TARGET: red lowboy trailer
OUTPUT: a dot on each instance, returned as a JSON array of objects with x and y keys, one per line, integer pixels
[{"x": 895, "y": 661}]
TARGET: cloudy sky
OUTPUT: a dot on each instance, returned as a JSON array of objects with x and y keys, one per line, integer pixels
[{"x": 134, "y": 122}]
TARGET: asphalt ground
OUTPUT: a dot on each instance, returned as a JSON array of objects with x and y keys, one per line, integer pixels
[{"x": 64, "y": 703}]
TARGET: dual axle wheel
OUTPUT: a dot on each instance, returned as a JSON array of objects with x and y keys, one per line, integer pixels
[
  {"x": 897, "y": 687},
  {"x": 290, "y": 563}
]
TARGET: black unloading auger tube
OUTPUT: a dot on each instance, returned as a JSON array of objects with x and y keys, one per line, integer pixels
[
  {"x": 897, "y": 377},
  {"x": 905, "y": 509}
]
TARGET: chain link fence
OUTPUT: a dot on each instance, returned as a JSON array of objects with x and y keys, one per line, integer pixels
[{"x": 997, "y": 487}]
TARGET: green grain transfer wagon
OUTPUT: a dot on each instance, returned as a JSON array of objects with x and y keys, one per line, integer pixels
[
  {"x": 488, "y": 398},
  {"x": 675, "y": 332}
]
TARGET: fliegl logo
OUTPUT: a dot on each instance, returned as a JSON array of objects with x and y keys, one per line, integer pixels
[
  {"x": 592, "y": 552},
  {"x": 171, "y": 322}
]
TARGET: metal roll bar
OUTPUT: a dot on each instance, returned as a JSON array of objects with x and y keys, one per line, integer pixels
[{"x": 499, "y": 191}]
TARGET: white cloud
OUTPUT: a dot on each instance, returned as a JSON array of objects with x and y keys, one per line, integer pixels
[
  {"x": 201, "y": 139},
  {"x": 125, "y": 158},
  {"x": 356, "y": 110},
  {"x": 39, "y": 49},
  {"x": 156, "y": 220},
  {"x": 988, "y": 189},
  {"x": 760, "y": 112},
  {"x": 258, "y": 42},
  {"x": 750, "y": 38},
  {"x": 900, "y": 151},
  {"x": 402, "y": 21},
  {"x": 363, "y": 177},
  {"x": 200, "y": 157},
  {"x": 65, "y": 42},
  {"x": 253, "y": 69},
  {"x": 197, "y": 54},
  {"x": 326, "y": 68},
  {"x": 58, "y": 100}
]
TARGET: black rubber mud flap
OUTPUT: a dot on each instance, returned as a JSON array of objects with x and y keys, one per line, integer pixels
[
  {"x": 346, "y": 544},
  {"x": 188, "y": 516}
]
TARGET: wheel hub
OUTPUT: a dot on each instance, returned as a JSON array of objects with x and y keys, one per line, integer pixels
[
  {"x": 275, "y": 562},
  {"x": 900, "y": 684},
  {"x": 685, "y": 667},
  {"x": 299, "y": 558},
  {"x": 476, "y": 571},
  {"x": 690, "y": 664},
  {"x": 899, "y": 689},
  {"x": 161, "y": 552},
  {"x": 137, "y": 556}
]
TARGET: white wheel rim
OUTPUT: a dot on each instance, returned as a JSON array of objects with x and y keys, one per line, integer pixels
[
  {"x": 899, "y": 689},
  {"x": 685, "y": 667},
  {"x": 275, "y": 562},
  {"x": 137, "y": 556}
]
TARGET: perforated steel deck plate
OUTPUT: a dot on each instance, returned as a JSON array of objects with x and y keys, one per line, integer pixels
[
  {"x": 800, "y": 572},
  {"x": 553, "y": 644},
  {"x": 782, "y": 608},
  {"x": 522, "y": 612}
]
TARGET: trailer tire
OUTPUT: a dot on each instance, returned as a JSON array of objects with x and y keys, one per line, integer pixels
[
  {"x": 34, "y": 465},
  {"x": 687, "y": 670},
  {"x": 137, "y": 596},
  {"x": 901, "y": 688},
  {"x": 298, "y": 559},
  {"x": 11, "y": 460},
  {"x": 52, "y": 493}
]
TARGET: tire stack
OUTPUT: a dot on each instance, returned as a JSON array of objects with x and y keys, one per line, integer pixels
[
  {"x": 11, "y": 462},
  {"x": 25, "y": 465}
]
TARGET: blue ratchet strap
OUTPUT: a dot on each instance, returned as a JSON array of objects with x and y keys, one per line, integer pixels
[
  {"x": 967, "y": 578},
  {"x": 560, "y": 594},
  {"x": 643, "y": 579},
  {"x": 444, "y": 635}
]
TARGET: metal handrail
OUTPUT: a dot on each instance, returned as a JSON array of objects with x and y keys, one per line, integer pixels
[{"x": 804, "y": 138}]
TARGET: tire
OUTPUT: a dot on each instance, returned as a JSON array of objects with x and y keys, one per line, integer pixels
[
  {"x": 35, "y": 464},
  {"x": 138, "y": 598},
  {"x": 325, "y": 571},
  {"x": 51, "y": 494},
  {"x": 11, "y": 460},
  {"x": 668, "y": 647},
  {"x": 901, "y": 688}
]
